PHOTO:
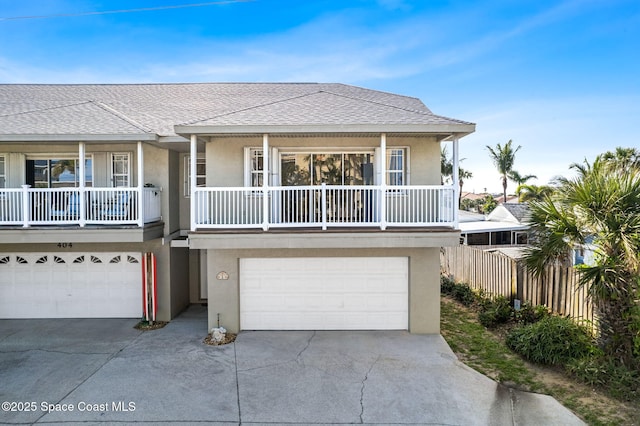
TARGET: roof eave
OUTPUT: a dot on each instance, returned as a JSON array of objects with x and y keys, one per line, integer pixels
[
  {"x": 36, "y": 137},
  {"x": 460, "y": 130}
]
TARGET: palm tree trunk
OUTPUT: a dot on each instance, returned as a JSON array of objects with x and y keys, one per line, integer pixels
[{"x": 504, "y": 189}]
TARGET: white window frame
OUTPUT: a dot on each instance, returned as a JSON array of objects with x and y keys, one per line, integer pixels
[
  {"x": 201, "y": 179},
  {"x": 277, "y": 158},
  {"x": 250, "y": 158},
  {"x": 326, "y": 151},
  {"x": 126, "y": 174},
  {"x": 64, "y": 156},
  {"x": 404, "y": 171}
]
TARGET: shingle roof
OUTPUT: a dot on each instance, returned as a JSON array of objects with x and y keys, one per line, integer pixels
[
  {"x": 520, "y": 211},
  {"x": 155, "y": 109}
]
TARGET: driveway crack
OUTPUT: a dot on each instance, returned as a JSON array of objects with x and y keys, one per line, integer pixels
[
  {"x": 299, "y": 356},
  {"x": 366, "y": 376},
  {"x": 113, "y": 355},
  {"x": 235, "y": 356},
  {"x": 54, "y": 352}
]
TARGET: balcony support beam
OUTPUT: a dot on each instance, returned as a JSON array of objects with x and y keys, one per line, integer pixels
[
  {"x": 265, "y": 182},
  {"x": 383, "y": 181},
  {"x": 456, "y": 181},
  {"x": 193, "y": 157},
  {"x": 82, "y": 184},
  {"x": 140, "y": 185}
]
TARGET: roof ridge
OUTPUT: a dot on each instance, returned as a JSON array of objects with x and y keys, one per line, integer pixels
[
  {"x": 122, "y": 116},
  {"x": 428, "y": 112},
  {"x": 45, "y": 109},
  {"x": 376, "y": 102},
  {"x": 251, "y": 107}
]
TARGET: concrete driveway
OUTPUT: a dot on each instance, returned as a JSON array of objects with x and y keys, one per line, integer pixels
[{"x": 93, "y": 371}]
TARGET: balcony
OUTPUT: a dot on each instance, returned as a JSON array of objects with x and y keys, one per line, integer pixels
[
  {"x": 325, "y": 206},
  {"x": 28, "y": 206}
]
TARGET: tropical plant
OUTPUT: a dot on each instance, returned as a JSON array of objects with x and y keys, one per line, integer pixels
[
  {"x": 528, "y": 193},
  {"x": 503, "y": 158},
  {"x": 520, "y": 180},
  {"x": 462, "y": 176},
  {"x": 446, "y": 171},
  {"x": 601, "y": 205},
  {"x": 488, "y": 204},
  {"x": 446, "y": 165}
]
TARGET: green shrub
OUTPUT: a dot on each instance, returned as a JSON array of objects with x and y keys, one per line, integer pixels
[
  {"x": 494, "y": 312},
  {"x": 447, "y": 285},
  {"x": 552, "y": 340},
  {"x": 528, "y": 313},
  {"x": 620, "y": 381},
  {"x": 463, "y": 294}
]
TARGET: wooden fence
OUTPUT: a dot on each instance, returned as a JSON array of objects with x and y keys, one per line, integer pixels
[{"x": 497, "y": 274}]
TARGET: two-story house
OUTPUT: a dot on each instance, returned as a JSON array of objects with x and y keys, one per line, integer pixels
[{"x": 283, "y": 206}]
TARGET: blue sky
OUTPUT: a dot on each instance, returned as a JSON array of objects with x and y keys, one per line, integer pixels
[{"x": 559, "y": 78}]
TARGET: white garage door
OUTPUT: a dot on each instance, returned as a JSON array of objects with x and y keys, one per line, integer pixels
[
  {"x": 70, "y": 285},
  {"x": 324, "y": 294}
]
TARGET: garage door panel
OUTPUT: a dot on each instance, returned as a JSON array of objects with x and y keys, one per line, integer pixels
[
  {"x": 324, "y": 293},
  {"x": 71, "y": 285}
]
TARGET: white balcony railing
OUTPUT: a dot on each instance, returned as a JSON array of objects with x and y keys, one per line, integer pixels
[
  {"x": 325, "y": 206},
  {"x": 74, "y": 206}
]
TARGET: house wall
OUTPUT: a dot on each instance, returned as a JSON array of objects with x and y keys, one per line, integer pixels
[
  {"x": 225, "y": 155},
  {"x": 17, "y": 154},
  {"x": 424, "y": 281}
]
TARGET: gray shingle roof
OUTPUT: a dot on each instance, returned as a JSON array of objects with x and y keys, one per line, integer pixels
[
  {"x": 154, "y": 109},
  {"x": 520, "y": 211}
]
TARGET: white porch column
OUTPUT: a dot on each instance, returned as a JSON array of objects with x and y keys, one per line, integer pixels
[
  {"x": 383, "y": 181},
  {"x": 456, "y": 181},
  {"x": 193, "y": 160},
  {"x": 82, "y": 185},
  {"x": 265, "y": 182},
  {"x": 140, "y": 185}
]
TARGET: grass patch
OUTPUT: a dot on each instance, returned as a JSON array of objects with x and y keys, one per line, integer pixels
[{"x": 486, "y": 351}]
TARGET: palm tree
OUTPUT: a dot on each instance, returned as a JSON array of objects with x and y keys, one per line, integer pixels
[
  {"x": 446, "y": 165},
  {"x": 527, "y": 193},
  {"x": 601, "y": 206},
  {"x": 520, "y": 180},
  {"x": 503, "y": 158},
  {"x": 462, "y": 176},
  {"x": 626, "y": 157}
]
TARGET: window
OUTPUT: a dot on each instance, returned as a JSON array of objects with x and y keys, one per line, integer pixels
[
  {"x": 299, "y": 168},
  {"x": 201, "y": 174},
  {"x": 342, "y": 168},
  {"x": 59, "y": 172},
  {"x": 120, "y": 171},
  {"x": 396, "y": 166},
  {"x": 2, "y": 172},
  {"x": 256, "y": 167}
]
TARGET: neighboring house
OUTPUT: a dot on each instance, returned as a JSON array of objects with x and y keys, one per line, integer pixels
[
  {"x": 505, "y": 225},
  {"x": 283, "y": 206}
]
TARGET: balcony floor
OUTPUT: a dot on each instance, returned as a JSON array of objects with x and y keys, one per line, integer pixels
[{"x": 336, "y": 230}]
